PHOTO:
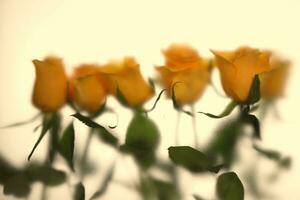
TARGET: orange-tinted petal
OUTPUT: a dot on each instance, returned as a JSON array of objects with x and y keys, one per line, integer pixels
[
  {"x": 90, "y": 94},
  {"x": 50, "y": 87}
]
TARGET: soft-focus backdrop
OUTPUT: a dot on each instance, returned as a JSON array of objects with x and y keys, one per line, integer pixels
[{"x": 97, "y": 30}]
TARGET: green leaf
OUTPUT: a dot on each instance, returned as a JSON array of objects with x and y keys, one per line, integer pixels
[
  {"x": 104, "y": 134},
  {"x": 270, "y": 154},
  {"x": 254, "y": 122},
  {"x": 224, "y": 142},
  {"x": 142, "y": 139},
  {"x": 192, "y": 159},
  {"x": 254, "y": 94},
  {"x": 284, "y": 162},
  {"x": 229, "y": 108},
  {"x": 66, "y": 145},
  {"x": 48, "y": 121},
  {"x": 79, "y": 192},
  {"x": 17, "y": 185},
  {"x": 45, "y": 174},
  {"x": 156, "y": 101},
  {"x": 166, "y": 190},
  {"x": 197, "y": 197},
  {"x": 229, "y": 187},
  {"x": 6, "y": 169},
  {"x": 121, "y": 98},
  {"x": 104, "y": 184}
]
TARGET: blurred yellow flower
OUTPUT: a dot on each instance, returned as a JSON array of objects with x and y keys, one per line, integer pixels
[
  {"x": 238, "y": 69},
  {"x": 90, "y": 94},
  {"x": 50, "y": 87},
  {"x": 184, "y": 66},
  {"x": 272, "y": 83},
  {"x": 86, "y": 88},
  {"x": 125, "y": 74}
]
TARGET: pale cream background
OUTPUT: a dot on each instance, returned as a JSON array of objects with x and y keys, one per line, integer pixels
[{"x": 95, "y": 31}]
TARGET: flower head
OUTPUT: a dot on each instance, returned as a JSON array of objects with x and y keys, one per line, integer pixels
[
  {"x": 273, "y": 83},
  {"x": 184, "y": 66},
  {"x": 238, "y": 69},
  {"x": 50, "y": 87},
  {"x": 126, "y": 76}
]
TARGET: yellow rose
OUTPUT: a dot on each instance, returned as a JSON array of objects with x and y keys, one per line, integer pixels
[
  {"x": 184, "y": 66},
  {"x": 272, "y": 83},
  {"x": 238, "y": 69},
  {"x": 50, "y": 87},
  {"x": 125, "y": 74},
  {"x": 90, "y": 94},
  {"x": 86, "y": 88}
]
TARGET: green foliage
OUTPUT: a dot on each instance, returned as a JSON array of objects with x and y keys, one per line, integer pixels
[
  {"x": 229, "y": 108},
  {"x": 224, "y": 142},
  {"x": 197, "y": 197},
  {"x": 18, "y": 181},
  {"x": 166, "y": 190},
  {"x": 254, "y": 122},
  {"x": 142, "y": 138},
  {"x": 45, "y": 174},
  {"x": 192, "y": 159},
  {"x": 49, "y": 121},
  {"x": 17, "y": 185},
  {"x": 6, "y": 169},
  {"x": 282, "y": 161},
  {"x": 79, "y": 192},
  {"x": 66, "y": 145},
  {"x": 229, "y": 187},
  {"x": 102, "y": 132},
  {"x": 154, "y": 188},
  {"x": 104, "y": 185}
]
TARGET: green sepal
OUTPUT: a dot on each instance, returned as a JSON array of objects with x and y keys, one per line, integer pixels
[
  {"x": 156, "y": 101},
  {"x": 152, "y": 84},
  {"x": 229, "y": 108},
  {"x": 254, "y": 93},
  {"x": 177, "y": 106}
]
